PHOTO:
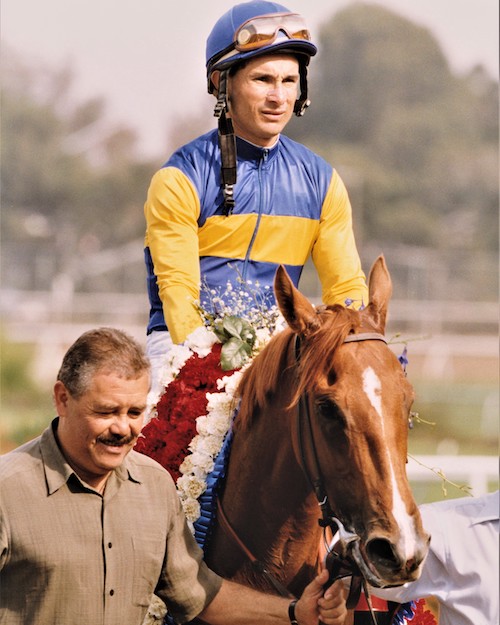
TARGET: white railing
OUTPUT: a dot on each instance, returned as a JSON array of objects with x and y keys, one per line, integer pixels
[{"x": 64, "y": 305}]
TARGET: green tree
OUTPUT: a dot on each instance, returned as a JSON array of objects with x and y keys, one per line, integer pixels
[
  {"x": 372, "y": 62},
  {"x": 70, "y": 184},
  {"x": 418, "y": 143}
]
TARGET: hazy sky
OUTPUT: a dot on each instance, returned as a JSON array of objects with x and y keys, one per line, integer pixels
[{"x": 147, "y": 57}]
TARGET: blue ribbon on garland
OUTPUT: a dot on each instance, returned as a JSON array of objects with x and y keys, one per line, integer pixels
[{"x": 208, "y": 500}]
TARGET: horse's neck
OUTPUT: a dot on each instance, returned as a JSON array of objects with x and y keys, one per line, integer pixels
[
  {"x": 263, "y": 464},
  {"x": 263, "y": 467},
  {"x": 268, "y": 500}
]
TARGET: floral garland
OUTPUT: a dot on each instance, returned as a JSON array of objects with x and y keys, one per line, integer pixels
[{"x": 190, "y": 419}]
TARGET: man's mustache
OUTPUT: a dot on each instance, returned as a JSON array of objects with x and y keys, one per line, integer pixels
[{"x": 116, "y": 441}]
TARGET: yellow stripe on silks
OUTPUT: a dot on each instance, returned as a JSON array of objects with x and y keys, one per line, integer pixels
[
  {"x": 226, "y": 237},
  {"x": 280, "y": 239},
  {"x": 286, "y": 240}
]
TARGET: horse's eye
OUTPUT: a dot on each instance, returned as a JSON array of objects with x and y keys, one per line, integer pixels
[{"x": 329, "y": 410}]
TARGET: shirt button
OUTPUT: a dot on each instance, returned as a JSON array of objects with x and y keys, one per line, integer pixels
[
  {"x": 111, "y": 592},
  {"x": 110, "y": 545}
]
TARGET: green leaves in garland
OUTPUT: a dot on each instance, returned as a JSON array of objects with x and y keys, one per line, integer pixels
[{"x": 237, "y": 337}]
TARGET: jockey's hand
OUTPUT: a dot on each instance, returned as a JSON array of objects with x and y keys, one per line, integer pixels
[{"x": 317, "y": 605}]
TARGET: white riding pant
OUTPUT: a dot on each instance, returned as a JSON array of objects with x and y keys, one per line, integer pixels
[{"x": 158, "y": 344}]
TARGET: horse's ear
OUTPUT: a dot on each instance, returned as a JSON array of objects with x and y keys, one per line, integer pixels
[
  {"x": 297, "y": 310},
  {"x": 380, "y": 290}
]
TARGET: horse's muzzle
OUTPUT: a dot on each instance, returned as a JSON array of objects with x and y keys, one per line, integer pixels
[{"x": 382, "y": 564}]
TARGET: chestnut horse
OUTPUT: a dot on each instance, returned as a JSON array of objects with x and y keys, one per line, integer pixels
[{"x": 324, "y": 407}]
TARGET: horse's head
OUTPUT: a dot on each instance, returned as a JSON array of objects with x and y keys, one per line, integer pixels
[{"x": 358, "y": 402}]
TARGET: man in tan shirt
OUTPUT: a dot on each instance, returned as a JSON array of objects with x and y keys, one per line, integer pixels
[{"x": 90, "y": 529}]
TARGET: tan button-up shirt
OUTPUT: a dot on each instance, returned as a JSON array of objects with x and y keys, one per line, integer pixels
[{"x": 71, "y": 556}]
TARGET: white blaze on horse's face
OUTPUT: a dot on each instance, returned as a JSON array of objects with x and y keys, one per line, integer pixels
[{"x": 372, "y": 386}]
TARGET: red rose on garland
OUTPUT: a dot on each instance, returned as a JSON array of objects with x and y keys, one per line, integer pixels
[{"x": 166, "y": 438}]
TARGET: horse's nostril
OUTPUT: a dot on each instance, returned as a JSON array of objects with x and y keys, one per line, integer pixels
[{"x": 381, "y": 552}]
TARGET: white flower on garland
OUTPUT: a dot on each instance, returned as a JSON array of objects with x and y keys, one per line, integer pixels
[
  {"x": 199, "y": 342},
  {"x": 212, "y": 429}
]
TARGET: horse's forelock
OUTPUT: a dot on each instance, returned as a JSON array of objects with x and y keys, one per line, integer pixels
[
  {"x": 263, "y": 376},
  {"x": 317, "y": 351}
]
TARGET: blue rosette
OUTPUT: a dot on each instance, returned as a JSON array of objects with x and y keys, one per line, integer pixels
[{"x": 208, "y": 500}]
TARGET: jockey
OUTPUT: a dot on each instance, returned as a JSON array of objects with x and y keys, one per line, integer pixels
[{"x": 236, "y": 202}]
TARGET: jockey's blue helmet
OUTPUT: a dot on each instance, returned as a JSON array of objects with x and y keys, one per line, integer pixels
[{"x": 258, "y": 28}]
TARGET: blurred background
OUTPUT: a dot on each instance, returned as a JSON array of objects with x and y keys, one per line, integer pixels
[{"x": 96, "y": 95}]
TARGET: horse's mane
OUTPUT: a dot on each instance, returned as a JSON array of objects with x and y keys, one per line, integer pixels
[{"x": 265, "y": 375}]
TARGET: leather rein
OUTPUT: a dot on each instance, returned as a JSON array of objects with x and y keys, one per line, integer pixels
[{"x": 339, "y": 563}]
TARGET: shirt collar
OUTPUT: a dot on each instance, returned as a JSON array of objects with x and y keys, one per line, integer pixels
[
  {"x": 251, "y": 152},
  {"x": 58, "y": 471}
]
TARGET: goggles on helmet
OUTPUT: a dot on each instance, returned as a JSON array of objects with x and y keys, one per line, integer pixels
[{"x": 261, "y": 31}]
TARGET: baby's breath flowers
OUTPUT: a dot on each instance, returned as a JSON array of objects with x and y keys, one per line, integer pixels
[{"x": 246, "y": 300}]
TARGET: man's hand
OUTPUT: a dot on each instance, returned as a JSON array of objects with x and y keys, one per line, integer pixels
[
  {"x": 312, "y": 607},
  {"x": 239, "y": 604}
]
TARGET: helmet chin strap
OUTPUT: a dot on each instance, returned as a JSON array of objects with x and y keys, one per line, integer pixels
[
  {"x": 303, "y": 101},
  {"x": 227, "y": 139},
  {"x": 227, "y": 143}
]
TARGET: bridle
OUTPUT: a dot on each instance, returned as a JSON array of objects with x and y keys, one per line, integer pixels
[{"x": 338, "y": 561}]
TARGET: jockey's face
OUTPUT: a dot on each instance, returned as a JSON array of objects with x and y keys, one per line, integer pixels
[{"x": 261, "y": 97}]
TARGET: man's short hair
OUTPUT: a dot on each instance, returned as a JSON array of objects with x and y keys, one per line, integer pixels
[{"x": 105, "y": 350}]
